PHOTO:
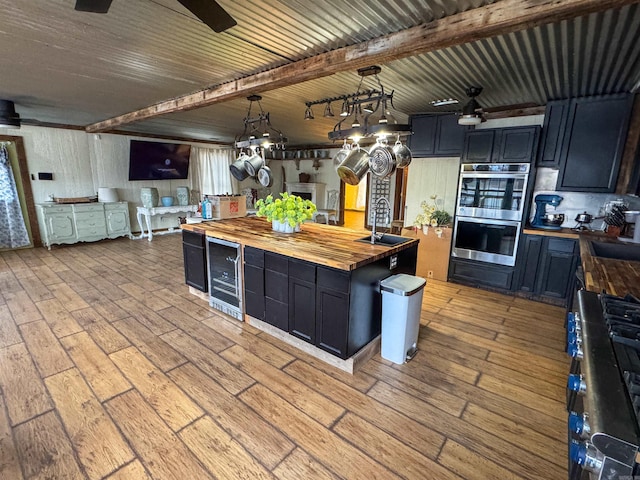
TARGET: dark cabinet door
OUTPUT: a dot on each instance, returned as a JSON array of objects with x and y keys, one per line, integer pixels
[
  {"x": 302, "y": 309},
  {"x": 479, "y": 146},
  {"x": 557, "y": 266},
  {"x": 436, "y": 136},
  {"x": 276, "y": 313},
  {"x": 195, "y": 260},
  {"x": 422, "y": 142},
  {"x": 332, "y": 320},
  {"x": 254, "y": 291},
  {"x": 553, "y": 131},
  {"x": 593, "y": 144},
  {"x": 528, "y": 262},
  {"x": 254, "y": 282},
  {"x": 449, "y": 136},
  {"x": 517, "y": 144},
  {"x": 276, "y": 290},
  {"x": 471, "y": 272}
]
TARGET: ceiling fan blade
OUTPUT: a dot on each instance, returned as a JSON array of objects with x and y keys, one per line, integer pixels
[
  {"x": 211, "y": 14},
  {"x": 93, "y": 6}
]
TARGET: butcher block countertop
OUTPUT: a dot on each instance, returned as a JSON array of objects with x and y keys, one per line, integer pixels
[
  {"x": 317, "y": 243},
  {"x": 563, "y": 232},
  {"x": 617, "y": 277}
]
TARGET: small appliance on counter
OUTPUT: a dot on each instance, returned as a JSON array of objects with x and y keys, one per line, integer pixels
[
  {"x": 583, "y": 220},
  {"x": 542, "y": 219}
]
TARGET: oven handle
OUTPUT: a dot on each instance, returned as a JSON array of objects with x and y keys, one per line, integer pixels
[
  {"x": 490, "y": 221},
  {"x": 500, "y": 175}
]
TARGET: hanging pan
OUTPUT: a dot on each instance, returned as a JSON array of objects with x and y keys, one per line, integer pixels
[
  {"x": 237, "y": 168},
  {"x": 402, "y": 154},
  {"x": 265, "y": 177},
  {"x": 354, "y": 167},
  {"x": 382, "y": 160}
]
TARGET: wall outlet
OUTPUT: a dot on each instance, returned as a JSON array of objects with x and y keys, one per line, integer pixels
[{"x": 430, "y": 274}]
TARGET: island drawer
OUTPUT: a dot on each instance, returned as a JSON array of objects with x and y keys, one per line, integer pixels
[
  {"x": 333, "y": 279},
  {"x": 254, "y": 256},
  {"x": 276, "y": 263},
  {"x": 302, "y": 270}
]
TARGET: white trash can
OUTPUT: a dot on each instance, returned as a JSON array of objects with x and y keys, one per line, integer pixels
[{"x": 401, "y": 306}]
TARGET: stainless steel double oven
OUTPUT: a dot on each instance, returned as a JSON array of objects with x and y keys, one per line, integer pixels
[{"x": 489, "y": 210}]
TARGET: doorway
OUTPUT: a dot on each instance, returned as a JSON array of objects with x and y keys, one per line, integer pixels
[
  {"x": 18, "y": 161},
  {"x": 355, "y": 203}
]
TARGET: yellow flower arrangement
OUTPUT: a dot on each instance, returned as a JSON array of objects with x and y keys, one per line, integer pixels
[
  {"x": 431, "y": 214},
  {"x": 290, "y": 209}
]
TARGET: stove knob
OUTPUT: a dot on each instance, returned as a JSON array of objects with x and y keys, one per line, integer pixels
[
  {"x": 576, "y": 383},
  {"x": 586, "y": 455},
  {"x": 573, "y": 337},
  {"x": 579, "y": 424},
  {"x": 573, "y": 323},
  {"x": 575, "y": 351}
]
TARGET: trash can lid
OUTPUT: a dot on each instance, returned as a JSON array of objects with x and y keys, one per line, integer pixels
[{"x": 402, "y": 284}]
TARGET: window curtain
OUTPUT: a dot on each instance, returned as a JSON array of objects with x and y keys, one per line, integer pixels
[
  {"x": 13, "y": 231},
  {"x": 210, "y": 171}
]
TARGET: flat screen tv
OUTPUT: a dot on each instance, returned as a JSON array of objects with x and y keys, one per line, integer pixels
[{"x": 158, "y": 161}]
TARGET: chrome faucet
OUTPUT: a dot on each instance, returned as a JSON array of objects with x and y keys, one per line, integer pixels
[{"x": 375, "y": 236}]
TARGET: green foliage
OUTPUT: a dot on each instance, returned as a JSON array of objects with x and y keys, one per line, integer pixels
[{"x": 291, "y": 209}]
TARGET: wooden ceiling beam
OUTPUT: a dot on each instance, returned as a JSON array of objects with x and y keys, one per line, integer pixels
[{"x": 499, "y": 18}]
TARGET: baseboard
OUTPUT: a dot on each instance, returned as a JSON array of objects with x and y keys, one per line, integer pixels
[{"x": 350, "y": 365}]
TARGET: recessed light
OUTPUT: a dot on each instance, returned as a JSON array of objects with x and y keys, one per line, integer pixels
[{"x": 444, "y": 101}]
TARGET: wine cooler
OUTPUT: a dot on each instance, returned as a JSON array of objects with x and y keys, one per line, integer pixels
[{"x": 225, "y": 277}]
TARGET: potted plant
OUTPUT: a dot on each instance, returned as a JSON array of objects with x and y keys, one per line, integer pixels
[
  {"x": 432, "y": 214},
  {"x": 285, "y": 213}
]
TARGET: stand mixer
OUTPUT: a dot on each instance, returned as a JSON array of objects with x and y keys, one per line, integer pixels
[{"x": 540, "y": 219}]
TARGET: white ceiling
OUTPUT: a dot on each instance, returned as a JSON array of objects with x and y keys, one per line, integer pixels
[{"x": 66, "y": 67}]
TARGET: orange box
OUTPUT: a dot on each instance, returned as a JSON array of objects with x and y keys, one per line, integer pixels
[{"x": 225, "y": 206}]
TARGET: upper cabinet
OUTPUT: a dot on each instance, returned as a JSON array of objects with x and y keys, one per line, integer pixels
[
  {"x": 584, "y": 138},
  {"x": 501, "y": 145},
  {"x": 436, "y": 136}
]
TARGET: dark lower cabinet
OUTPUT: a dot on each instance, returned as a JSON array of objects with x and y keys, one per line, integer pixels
[
  {"x": 336, "y": 310},
  {"x": 195, "y": 260},
  {"x": 333, "y": 311},
  {"x": 302, "y": 300},
  {"x": 547, "y": 267},
  {"x": 480, "y": 274}
]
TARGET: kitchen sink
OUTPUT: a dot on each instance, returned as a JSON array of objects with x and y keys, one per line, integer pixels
[
  {"x": 387, "y": 240},
  {"x": 616, "y": 250}
]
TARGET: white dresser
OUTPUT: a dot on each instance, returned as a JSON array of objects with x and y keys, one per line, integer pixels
[{"x": 82, "y": 222}]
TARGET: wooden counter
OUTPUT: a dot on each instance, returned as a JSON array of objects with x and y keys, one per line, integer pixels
[
  {"x": 317, "y": 243},
  {"x": 617, "y": 277},
  {"x": 563, "y": 232}
]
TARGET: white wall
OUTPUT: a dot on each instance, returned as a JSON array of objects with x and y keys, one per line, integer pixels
[
  {"x": 431, "y": 176},
  {"x": 82, "y": 162}
]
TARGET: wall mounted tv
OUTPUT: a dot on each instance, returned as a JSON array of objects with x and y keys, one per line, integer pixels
[{"x": 158, "y": 161}]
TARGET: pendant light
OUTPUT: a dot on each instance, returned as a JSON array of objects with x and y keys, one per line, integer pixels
[{"x": 8, "y": 116}]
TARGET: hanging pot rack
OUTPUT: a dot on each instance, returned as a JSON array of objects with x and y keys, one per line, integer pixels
[{"x": 376, "y": 104}]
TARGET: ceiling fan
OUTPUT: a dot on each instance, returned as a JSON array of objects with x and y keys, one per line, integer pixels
[
  {"x": 472, "y": 112},
  {"x": 209, "y": 11}
]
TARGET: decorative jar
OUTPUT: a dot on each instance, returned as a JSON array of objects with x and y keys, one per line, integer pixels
[
  {"x": 182, "y": 194},
  {"x": 149, "y": 197},
  {"x": 167, "y": 201}
]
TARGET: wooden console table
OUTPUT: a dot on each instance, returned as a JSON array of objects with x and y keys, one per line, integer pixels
[{"x": 153, "y": 211}]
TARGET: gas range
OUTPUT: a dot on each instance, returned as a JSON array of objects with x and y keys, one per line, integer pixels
[{"x": 603, "y": 339}]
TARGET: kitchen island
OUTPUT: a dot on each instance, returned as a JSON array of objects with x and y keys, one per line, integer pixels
[{"x": 318, "y": 288}]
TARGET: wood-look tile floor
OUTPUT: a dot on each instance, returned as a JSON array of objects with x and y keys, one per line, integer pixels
[{"x": 111, "y": 369}]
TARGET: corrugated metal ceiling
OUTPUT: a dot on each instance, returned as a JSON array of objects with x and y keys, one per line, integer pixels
[{"x": 69, "y": 67}]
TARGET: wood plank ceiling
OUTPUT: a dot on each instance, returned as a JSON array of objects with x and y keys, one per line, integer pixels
[{"x": 66, "y": 67}]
